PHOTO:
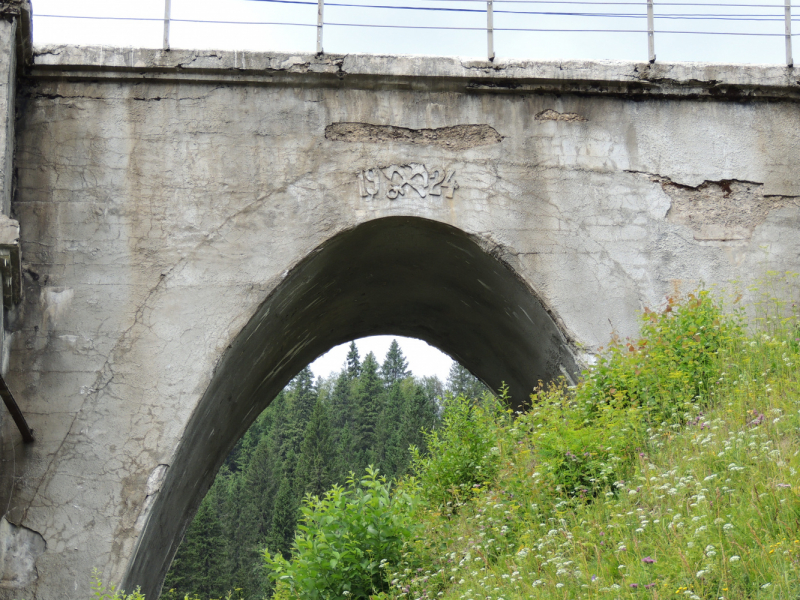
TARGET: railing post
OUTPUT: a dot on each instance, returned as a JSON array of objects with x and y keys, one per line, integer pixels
[
  {"x": 320, "y": 7},
  {"x": 788, "y": 13},
  {"x": 651, "y": 42},
  {"x": 490, "y": 29},
  {"x": 167, "y": 11}
]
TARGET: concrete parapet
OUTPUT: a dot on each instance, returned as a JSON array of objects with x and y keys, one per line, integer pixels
[{"x": 425, "y": 73}]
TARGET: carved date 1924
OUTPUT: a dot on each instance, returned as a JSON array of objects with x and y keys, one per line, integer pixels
[{"x": 400, "y": 180}]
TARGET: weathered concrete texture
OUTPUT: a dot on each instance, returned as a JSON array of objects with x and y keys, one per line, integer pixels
[
  {"x": 552, "y": 115},
  {"x": 722, "y": 210},
  {"x": 458, "y": 137},
  {"x": 614, "y": 78},
  {"x": 19, "y": 549},
  {"x": 15, "y": 51},
  {"x": 191, "y": 238},
  {"x": 8, "y": 89}
]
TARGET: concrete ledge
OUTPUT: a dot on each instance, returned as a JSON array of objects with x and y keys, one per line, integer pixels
[
  {"x": 629, "y": 79},
  {"x": 20, "y": 11}
]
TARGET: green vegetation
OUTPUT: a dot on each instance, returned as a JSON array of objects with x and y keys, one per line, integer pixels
[
  {"x": 311, "y": 437},
  {"x": 347, "y": 539},
  {"x": 671, "y": 471}
]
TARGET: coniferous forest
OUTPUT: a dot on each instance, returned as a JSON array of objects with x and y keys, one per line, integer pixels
[{"x": 313, "y": 435}]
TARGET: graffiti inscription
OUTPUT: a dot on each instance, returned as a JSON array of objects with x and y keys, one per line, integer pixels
[{"x": 405, "y": 180}]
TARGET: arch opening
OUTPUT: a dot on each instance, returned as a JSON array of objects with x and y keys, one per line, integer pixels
[{"x": 402, "y": 276}]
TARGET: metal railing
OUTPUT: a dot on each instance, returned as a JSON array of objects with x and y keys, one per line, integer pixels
[{"x": 643, "y": 9}]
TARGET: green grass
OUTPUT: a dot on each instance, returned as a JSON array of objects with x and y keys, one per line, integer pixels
[{"x": 669, "y": 476}]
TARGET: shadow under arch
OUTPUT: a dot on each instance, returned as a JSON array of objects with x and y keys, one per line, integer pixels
[{"x": 404, "y": 276}]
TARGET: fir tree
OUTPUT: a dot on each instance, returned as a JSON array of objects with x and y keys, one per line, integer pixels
[
  {"x": 341, "y": 416},
  {"x": 392, "y": 449},
  {"x": 460, "y": 382},
  {"x": 395, "y": 365},
  {"x": 199, "y": 565},
  {"x": 367, "y": 408},
  {"x": 419, "y": 413},
  {"x": 284, "y": 519},
  {"x": 316, "y": 462},
  {"x": 353, "y": 365}
]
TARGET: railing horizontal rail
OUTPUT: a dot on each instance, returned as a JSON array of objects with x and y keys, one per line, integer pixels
[
  {"x": 217, "y": 22},
  {"x": 652, "y": 12}
]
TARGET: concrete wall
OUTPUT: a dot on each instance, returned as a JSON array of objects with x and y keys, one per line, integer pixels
[
  {"x": 19, "y": 547},
  {"x": 178, "y": 209}
]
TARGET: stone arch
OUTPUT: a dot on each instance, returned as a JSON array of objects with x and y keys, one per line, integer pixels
[{"x": 405, "y": 276}]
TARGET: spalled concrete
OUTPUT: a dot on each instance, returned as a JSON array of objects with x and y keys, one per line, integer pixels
[
  {"x": 19, "y": 549},
  {"x": 197, "y": 226}
]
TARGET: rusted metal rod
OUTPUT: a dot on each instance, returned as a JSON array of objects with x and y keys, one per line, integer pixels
[{"x": 16, "y": 413}]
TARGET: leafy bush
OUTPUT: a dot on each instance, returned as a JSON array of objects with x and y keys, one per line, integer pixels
[
  {"x": 580, "y": 456},
  {"x": 464, "y": 452},
  {"x": 346, "y": 540},
  {"x": 671, "y": 367},
  {"x": 100, "y": 591}
]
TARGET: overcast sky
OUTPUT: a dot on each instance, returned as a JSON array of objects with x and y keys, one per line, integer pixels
[
  {"x": 423, "y": 359},
  {"x": 508, "y": 44}
]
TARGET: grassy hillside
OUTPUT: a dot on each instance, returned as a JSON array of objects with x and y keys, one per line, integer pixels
[{"x": 671, "y": 472}]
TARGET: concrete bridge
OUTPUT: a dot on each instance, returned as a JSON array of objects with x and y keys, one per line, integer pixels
[{"x": 182, "y": 232}]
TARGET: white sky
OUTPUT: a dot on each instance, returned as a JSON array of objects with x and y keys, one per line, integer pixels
[
  {"x": 423, "y": 359},
  {"x": 339, "y": 39}
]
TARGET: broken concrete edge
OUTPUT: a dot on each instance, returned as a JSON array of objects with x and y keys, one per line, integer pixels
[
  {"x": 10, "y": 261},
  {"x": 457, "y": 137},
  {"x": 20, "y": 10},
  {"x": 613, "y": 78},
  {"x": 20, "y": 548}
]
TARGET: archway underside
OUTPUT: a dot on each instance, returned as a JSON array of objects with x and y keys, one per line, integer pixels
[{"x": 402, "y": 276}]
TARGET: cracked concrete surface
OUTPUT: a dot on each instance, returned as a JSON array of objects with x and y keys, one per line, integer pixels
[
  {"x": 20, "y": 547},
  {"x": 553, "y": 115},
  {"x": 722, "y": 210},
  {"x": 457, "y": 137},
  {"x": 192, "y": 235}
]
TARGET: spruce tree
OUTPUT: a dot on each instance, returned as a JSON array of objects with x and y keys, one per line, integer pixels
[
  {"x": 341, "y": 416},
  {"x": 353, "y": 364},
  {"x": 460, "y": 382},
  {"x": 199, "y": 565},
  {"x": 395, "y": 365},
  {"x": 367, "y": 407},
  {"x": 392, "y": 450},
  {"x": 284, "y": 519},
  {"x": 316, "y": 461}
]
